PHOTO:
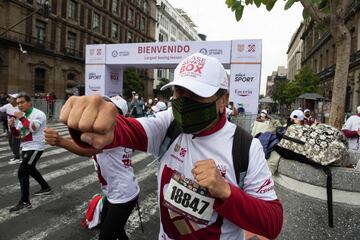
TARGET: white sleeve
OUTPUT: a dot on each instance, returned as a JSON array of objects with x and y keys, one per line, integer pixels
[
  {"x": 258, "y": 182},
  {"x": 3, "y": 108},
  {"x": 348, "y": 124},
  {"x": 39, "y": 120},
  {"x": 155, "y": 128}
]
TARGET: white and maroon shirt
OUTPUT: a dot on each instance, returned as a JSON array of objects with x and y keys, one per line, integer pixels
[
  {"x": 255, "y": 208},
  {"x": 33, "y": 140},
  {"x": 116, "y": 175},
  {"x": 10, "y": 110},
  {"x": 350, "y": 129}
]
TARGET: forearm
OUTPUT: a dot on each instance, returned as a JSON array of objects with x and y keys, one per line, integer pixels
[
  {"x": 258, "y": 216},
  {"x": 350, "y": 134},
  {"x": 74, "y": 148}
]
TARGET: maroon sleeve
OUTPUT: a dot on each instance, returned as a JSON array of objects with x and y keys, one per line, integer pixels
[
  {"x": 349, "y": 134},
  {"x": 25, "y": 123},
  {"x": 15, "y": 132},
  {"x": 128, "y": 133},
  {"x": 255, "y": 215}
]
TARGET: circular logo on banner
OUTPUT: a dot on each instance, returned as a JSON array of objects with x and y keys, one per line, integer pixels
[
  {"x": 114, "y": 53},
  {"x": 203, "y": 51}
]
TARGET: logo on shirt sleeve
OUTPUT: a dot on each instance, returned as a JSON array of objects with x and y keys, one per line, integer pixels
[{"x": 267, "y": 186}]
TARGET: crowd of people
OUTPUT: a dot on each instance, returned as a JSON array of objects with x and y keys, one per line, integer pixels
[{"x": 201, "y": 193}]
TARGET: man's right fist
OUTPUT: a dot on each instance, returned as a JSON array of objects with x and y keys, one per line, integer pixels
[{"x": 91, "y": 115}]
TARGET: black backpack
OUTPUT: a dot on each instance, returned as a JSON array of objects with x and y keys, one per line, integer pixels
[{"x": 240, "y": 152}]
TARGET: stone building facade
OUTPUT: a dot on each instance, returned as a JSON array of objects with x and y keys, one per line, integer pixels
[
  {"x": 319, "y": 52},
  {"x": 46, "y": 54}
]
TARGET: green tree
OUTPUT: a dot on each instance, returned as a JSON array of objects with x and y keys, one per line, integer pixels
[
  {"x": 307, "y": 81},
  {"x": 132, "y": 82},
  {"x": 166, "y": 93},
  {"x": 285, "y": 92},
  {"x": 331, "y": 15}
]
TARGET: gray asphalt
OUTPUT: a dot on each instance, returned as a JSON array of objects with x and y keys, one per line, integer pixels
[{"x": 74, "y": 182}]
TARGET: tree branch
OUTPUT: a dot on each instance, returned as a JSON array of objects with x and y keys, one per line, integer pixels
[
  {"x": 315, "y": 13},
  {"x": 342, "y": 10}
]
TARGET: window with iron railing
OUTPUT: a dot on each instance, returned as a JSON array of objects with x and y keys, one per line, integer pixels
[
  {"x": 115, "y": 6},
  {"x": 142, "y": 25},
  {"x": 130, "y": 16},
  {"x": 129, "y": 37}
]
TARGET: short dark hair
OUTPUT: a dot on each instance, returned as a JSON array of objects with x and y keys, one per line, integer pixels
[
  {"x": 25, "y": 96},
  {"x": 221, "y": 92}
]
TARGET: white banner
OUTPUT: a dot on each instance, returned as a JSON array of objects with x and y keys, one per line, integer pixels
[
  {"x": 95, "y": 54},
  {"x": 164, "y": 53},
  {"x": 245, "y": 86},
  {"x": 246, "y": 51},
  {"x": 94, "y": 79},
  {"x": 113, "y": 82}
]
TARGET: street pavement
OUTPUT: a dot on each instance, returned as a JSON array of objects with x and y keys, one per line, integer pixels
[{"x": 74, "y": 182}]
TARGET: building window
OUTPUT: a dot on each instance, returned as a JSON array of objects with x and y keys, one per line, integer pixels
[
  {"x": 163, "y": 37},
  {"x": 115, "y": 6},
  {"x": 146, "y": 7},
  {"x": 40, "y": 32},
  {"x": 72, "y": 9},
  {"x": 129, "y": 37},
  {"x": 130, "y": 16},
  {"x": 114, "y": 30},
  {"x": 39, "y": 86},
  {"x": 142, "y": 25},
  {"x": 71, "y": 41},
  {"x": 96, "y": 22}
]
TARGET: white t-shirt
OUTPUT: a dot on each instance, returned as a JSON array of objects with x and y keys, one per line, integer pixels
[
  {"x": 34, "y": 140},
  {"x": 120, "y": 184},
  {"x": 185, "y": 151},
  {"x": 353, "y": 124},
  {"x": 10, "y": 110}
]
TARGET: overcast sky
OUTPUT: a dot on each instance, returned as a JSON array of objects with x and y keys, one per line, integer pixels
[{"x": 275, "y": 28}]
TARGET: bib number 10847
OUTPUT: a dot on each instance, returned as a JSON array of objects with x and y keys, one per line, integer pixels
[{"x": 185, "y": 199}]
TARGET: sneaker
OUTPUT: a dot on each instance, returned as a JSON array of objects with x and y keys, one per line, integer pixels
[
  {"x": 43, "y": 192},
  {"x": 19, "y": 206},
  {"x": 15, "y": 161}
]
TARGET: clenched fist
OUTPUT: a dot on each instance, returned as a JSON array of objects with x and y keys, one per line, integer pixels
[
  {"x": 91, "y": 115},
  {"x": 207, "y": 175}
]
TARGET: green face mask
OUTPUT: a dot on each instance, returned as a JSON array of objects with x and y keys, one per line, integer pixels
[{"x": 192, "y": 116}]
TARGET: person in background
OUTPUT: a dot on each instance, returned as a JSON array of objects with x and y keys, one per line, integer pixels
[
  {"x": 116, "y": 176},
  {"x": 30, "y": 128},
  {"x": 3, "y": 116},
  {"x": 263, "y": 117},
  {"x": 308, "y": 119},
  {"x": 14, "y": 142},
  {"x": 296, "y": 117},
  {"x": 351, "y": 130},
  {"x": 137, "y": 106},
  {"x": 241, "y": 109},
  {"x": 158, "y": 107},
  {"x": 231, "y": 111}
]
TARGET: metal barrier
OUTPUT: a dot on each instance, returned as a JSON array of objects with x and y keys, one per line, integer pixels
[
  {"x": 244, "y": 120},
  {"x": 51, "y": 110}
]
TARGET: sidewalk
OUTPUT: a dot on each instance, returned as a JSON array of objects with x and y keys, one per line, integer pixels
[{"x": 252, "y": 236}]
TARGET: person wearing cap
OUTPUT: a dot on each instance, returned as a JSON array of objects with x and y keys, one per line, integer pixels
[
  {"x": 351, "y": 130},
  {"x": 203, "y": 147},
  {"x": 308, "y": 119},
  {"x": 296, "y": 117},
  {"x": 263, "y": 116},
  {"x": 14, "y": 142},
  {"x": 159, "y": 107},
  {"x": 116, "y": 176}
]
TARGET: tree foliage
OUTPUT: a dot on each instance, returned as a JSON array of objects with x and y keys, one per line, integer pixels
[
  {"x": 167, "y": 93},
  {"x": 132, "y": 82},
  {"x": 330, "y": 15},
  {"x": 306, "y": 81}
]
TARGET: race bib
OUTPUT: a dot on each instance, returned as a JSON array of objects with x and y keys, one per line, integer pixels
[{"x": 188, "y": 199}]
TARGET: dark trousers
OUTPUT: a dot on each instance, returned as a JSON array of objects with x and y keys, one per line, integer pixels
[
  {"x": 114, "y": 218},
  {"x": 28, "y": 168},
  {"x": 14, "y": 144}
]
